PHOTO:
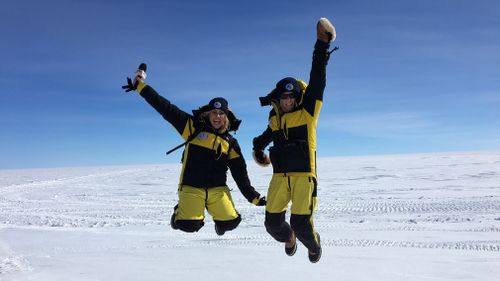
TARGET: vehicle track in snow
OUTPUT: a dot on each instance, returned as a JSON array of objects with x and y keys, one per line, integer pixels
[
  {"x": 411, "y": 206},
  {"x": 265, "y": 240},
  {"x": 450, "y": 201}
]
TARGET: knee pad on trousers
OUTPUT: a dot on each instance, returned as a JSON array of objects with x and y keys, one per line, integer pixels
[
  {"x": 228, "y": 225},
  {"x": 189, "y": 225},
  {"x": 277, "y": 226}
]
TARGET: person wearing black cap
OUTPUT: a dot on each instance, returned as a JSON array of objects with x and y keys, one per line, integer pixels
[
  {"x": 292, "y": 130},
  {"x": 209, "y": 151}
]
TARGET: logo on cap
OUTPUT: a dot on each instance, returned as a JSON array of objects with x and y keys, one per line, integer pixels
[
  {"x": 289, "y": 86},
  {"x": 217, "y": 105}
]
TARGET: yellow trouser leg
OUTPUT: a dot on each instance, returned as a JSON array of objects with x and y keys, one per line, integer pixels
[
  {"x": 191, "y": 204},
  {"x": 220, "y": 204},
  {"x": 303, "y": 206}
]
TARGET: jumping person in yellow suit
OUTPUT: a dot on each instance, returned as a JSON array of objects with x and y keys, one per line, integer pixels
[
  {"x": 292, "y": 129},
  {"x": 209, "y": 151}
]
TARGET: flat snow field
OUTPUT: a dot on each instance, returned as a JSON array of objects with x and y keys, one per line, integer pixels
[{"x": 397, "y": 217}]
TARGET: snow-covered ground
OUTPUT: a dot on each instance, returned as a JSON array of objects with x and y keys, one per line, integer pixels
[{"x": 403, "y": 217}]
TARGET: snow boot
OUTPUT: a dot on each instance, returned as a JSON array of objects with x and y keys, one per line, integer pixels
[
  {"x": 219, "y": 231},
  {"x": 315, "y": 256},
  {"x": 172, "y": 222},
  {"x": 291, "y": 246}
]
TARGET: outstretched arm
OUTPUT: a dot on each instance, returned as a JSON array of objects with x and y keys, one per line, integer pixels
[
  {"x": 170, "y": 112},
  {"x": 239, "y": 172},
  {"x": 182, "y": 121}
]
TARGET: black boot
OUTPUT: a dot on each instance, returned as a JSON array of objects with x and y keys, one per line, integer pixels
[
  {"x": 172, "y": 222},
  {"x": 315, "y": 256},
  {"x": 291, "y": 246},
  {"x": 219, "y": 231}
]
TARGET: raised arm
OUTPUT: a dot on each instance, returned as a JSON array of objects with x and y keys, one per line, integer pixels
[
  {"x": 321, "y": 55},
  {"x": 182, "y": 121},
  {"x": 170, "y": 112}
]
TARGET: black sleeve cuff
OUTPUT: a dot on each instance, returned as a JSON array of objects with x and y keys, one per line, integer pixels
[{"x": 321, "y": 46}]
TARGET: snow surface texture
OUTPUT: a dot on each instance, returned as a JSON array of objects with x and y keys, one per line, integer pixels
[{"x": 404, "y": 217}]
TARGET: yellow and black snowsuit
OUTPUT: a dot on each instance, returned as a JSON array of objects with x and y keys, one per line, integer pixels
[
  {"x": 205, "y": 161},
  {"x": 293, "y": 156}
]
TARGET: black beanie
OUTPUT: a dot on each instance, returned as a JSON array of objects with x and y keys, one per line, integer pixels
[
  {"x": 288, "y": 84},
  {"x": 218, "y": 103}
]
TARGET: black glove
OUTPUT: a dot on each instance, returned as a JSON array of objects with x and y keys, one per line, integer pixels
[
  {"x": 261, "y": 158},
  {"x": 130, "y": 86},
  {"x": 325, "y": 30},
  {"x": 140, "y": 75},
  {"x": 262, "y": 201}
]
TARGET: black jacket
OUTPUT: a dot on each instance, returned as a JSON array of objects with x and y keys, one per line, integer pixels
[
  {"x": 294, "y": 133},
  {"x": 208, "y": 156}
]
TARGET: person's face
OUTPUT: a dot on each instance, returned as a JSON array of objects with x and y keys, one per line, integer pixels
[
  {"x": 217, "y": 118},
  {"x": 287, "y": 102}
]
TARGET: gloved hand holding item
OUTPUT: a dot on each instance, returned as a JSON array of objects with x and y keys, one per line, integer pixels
[
  {"x": 261, "y": 158},
  {"x": 325, "y": 30},
  {"x": 139, "y": 77}
]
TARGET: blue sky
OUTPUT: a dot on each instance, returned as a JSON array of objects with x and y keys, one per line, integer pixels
[{"x": 410, "y": 76}]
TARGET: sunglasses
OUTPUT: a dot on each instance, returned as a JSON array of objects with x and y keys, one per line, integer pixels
[{"x": 287, "y": 96}]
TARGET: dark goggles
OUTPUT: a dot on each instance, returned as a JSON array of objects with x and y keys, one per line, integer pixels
[{"x": 285, "y": 96}]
